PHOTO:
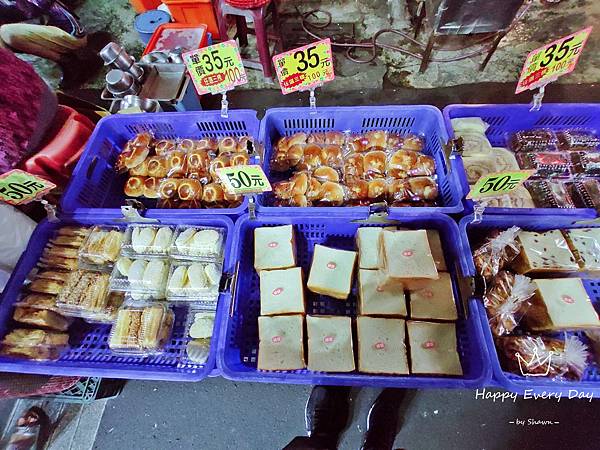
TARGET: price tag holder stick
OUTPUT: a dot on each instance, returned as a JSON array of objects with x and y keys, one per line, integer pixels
[
  {"x": 536, "y": 104},
  {"x": 224, "y": 105}
]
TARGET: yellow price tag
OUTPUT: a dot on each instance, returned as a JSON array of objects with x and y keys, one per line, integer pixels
[
  {"x": 244, "y": 179},
  {"x": 498, "y": 184},
  {"x": 18, "y": 187},
  {"x": 305, "y": 68},
  {"x": 216, "y": 69},
  {"x": 549, "y": 62}
]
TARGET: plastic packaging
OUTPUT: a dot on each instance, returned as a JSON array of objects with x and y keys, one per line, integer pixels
[
  {"x": 575, "y": 139},
  {"x": 518, "y": 198},
  {"x": 42, "y": 318},
  {"x": 37, "y": 345},
  {"x": 199, "y": 328},
  {"x": 144, "y": 276},
  {"x": 550, "y": 194},
  {"x": 101, "y": 248},
  {"x": 537, "y": 140},
  {"x": 496, "y": 253},
  {"x": 587, "y": 163},
  {"x": 197, "y": 243},
  {"x": 147, "y": 240},
  {"x": 141, "y": 330},
  {"x": 84, "y": 292},
  {"x": 194, "y": 282},
  {"x": 506, "y": 301},
  {"x": 415, "y": 191},
  {"x": 546, "y": 164},
  {"x": 585, "y": 193},
  {"x": 585, "y": 246}
]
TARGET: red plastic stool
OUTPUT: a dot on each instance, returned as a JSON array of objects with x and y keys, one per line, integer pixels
[
  {"x": 62, "y": 147},
  {"x": 258, "y": 16}
]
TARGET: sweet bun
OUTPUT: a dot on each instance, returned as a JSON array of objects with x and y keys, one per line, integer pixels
[
  {"x": 358, "y": 144},
  {"x": 158, "y": 166},
  {"x": 413, "y": 142},
  {"x": 164, "y": 146},
  {"x": 134, "y": 187},
  {"x": 358, "y": 190},
  {"x": 376, "y": 138},
  {"x": 316, "y": 138},
  {"x": 300, "y": 185},
  {"x": 298, "y": 138},
  {"x": 283, "y": 189},
  {"x": 151, "y": 187},
  {"x": 177, "y": 163},
  {"x": 186, "y": 145},
  {"x": 401, "y": 163},
  {"x": 424, "y": 187},
  {"x": 332, "y": 194},
  {"x": 354, "y": 166},
  {"x": 239, "y": 159},
  {"x": 213, "y": 193},
  {"x": 335, "y": 138},
  {"x": 242, "y": 145},
  {"x": 374, "y": 164},
  {"x": 314, "y": 189},
  {"x": 197, "y": 162},
  {"x": 189, "y": 189},
  {"x": 311, "y": 158},
  {"x": 332, "y": 155},
  {"x": 425, "y": 166},
  {"x": 326, "y": 173},
  {"x": 294, "y": 155},
  {"x": 227, "y": 145},
  {"x": 299, "y": 200},
  {"x": 141, "y": 170},
  {"x": 206, "y": 144},
  {"x": 218, "y": 163},
  {"x": 168, "y": 187},
  {"x": 377, "y": 189}
]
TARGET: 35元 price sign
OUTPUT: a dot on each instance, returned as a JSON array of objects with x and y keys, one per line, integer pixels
[
  {"x": 244, "y": 179},
  {"x": 18, "y": 187},
  {"x": 305, "y": 67},
  {"x": 216, "y": 69},
  {"x": 549, "y": 62},
  {"x": 498, "y": 184}
]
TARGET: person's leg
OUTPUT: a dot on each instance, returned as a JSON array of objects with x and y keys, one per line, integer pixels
[
  {"x": 384, "y": 420},
  {"x": 41, "y": 40}
]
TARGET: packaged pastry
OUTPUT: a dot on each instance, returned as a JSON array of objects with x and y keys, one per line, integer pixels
[
  {"x": 281, "y": 292},
  {"x": 550, "y": 194},
  {"x": 198, "y": 163},
  {"x": 330, "y": 346},
  {"x": 140, "y": 276},
  {"x": 585, "y": 192},
  {"x": 135, "y": 152},
  {"x": 433, "y": 348},
  {"x": 435, "y": 300},
  {"x": 34, "y": 344},
  {"x": 381, "y": 347},
  {"x": 189, "y": 189},
  {"x": 102, "y": 247},
  {"x": 141, "y": 330},
  {"x": 42, "y": 318},
  {"x": 76, "y": 239},
  {"x": 507, "y": 301},
  {"x": 477, "y": 166},
  {"x": 197, "y": 243},
  {"x": 407, "y": 163},
  {"x": 274, "y": 248},
  {"x": 281, "y": 342},
  {"x": 200, "y": 329},
  {"x": 561, "y": 304},
  {"x": 546, "y": 164},
  {"x": 167, "y": 188},
  {"x": 437, "y": 251},
  {"x": 83, "y": 292},
  {"x": 38, "y": 301},
  {"x": 474, "y": 144},
  {"x": 578, "y": 140},
  {"x": 499, "y": 250},
  {"x": 412, "y": 190},
  {"x": 43, "y": 286},
  {"x": 331, "y": 272},
  {"x": 585, "y": 245},
  {"x": 544, "y": 356},
  {"x": 587, "y": 163},
  {"x": 518, "y": 198},
  {"x": 194, "y": 281},
  {"x": 469, "y": 124},
  {"x": 147, "y": 240},
  {"x": 406, "y": 255},
  {"x": 544, "y": 252},
  {"x": 158, "y": 166},
  {"x": 538, "y": 140},
  {"x": 176, "y": 163},
  {"x": 107, "y": 313},
  {"x": 377, "y": 299}
]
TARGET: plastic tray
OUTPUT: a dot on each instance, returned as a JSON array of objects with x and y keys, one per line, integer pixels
[
  {"x": 238, "y": 348},
  {"x": 509, "y": 118},
  {"x": 94, "y": 183},
  {"x": 424, "y": 120},
  {"x": 89, "y": 354},
  {"x": 509, "y": 380}
]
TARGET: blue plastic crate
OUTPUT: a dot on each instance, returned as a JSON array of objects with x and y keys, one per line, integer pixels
[
  {"x": 95, "y": 184},
  {"x": 505, "y": 120},
  {"x": 238, "y": 349},
  {"x": 89, "y": 354},
  {"x": 402, "y": 119},
  {"x": 474, "y": 232}
]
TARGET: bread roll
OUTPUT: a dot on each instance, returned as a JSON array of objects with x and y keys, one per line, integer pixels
[
  {"x": 151, "y": 187},
  {"x": 158, "y": 166},
  {"x": 189, "y": 189},
  {"x": 134, "y": 187}
]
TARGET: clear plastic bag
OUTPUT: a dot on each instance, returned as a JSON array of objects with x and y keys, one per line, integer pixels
[
  {"x": 550, "y": 194},
  {"x": 577, "y": 139},
  {"x": 546, "y": 164},
  {"x": 538, "y": 140},
  {"x": 497, "y": 252}
]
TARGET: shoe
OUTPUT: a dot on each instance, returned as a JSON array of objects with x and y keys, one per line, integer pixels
[
  {"x": 79, "y": 67},
  {"x": 327, "y": 413},
  {"x": 384, "y": 420}
]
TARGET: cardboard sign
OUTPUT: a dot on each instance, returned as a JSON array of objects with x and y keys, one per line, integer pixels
[
  {"x": 244, "y": 179},
  {"x": 18, "y": 187},
  {"x": 216, "y": 69},
  {"x": 498, "y": 184},
  {"x": 305, "y": 68},
  {"x": 549, "y": 62}
]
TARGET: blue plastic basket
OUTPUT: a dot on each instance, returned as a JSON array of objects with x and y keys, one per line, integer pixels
[
  {"x": 89, "y": 354},
  {"x": 95, "y": 184},
  {"x": 424, "y": 120},
  {"x": 471, "y": 232},
  {"x": 238, "y": 349},
  {"x": 506, "y": 119}
]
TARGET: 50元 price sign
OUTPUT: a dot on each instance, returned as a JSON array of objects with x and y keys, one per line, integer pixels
[
  {"x": 216, "y": 69},
  {"x": 244, "y": 179},
  {"x": 549, "y": 62},
  {"x": 305, "y": 68},
  {"x": 18, "y": 187},
  {"x": 498, "y": 184}
]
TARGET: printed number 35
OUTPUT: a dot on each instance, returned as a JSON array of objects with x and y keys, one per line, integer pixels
[{"x": 303, "y": 56}]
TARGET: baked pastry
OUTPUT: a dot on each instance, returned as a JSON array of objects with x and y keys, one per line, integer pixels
[
  {"x": 135, "y": 152},
  {"x": 144, "y": 329},
  {"x": 367, "y": 243},
  {"x": 330, "y": 344},
  {"x": 72, "y": 231},
  {"x": 227, "y": 145},
  {"x": 84, "y": 291},
  {"x": 157, "y": 322},
  {"x": 218, "y": 163},
  {"x": 206, "y": 143},
  {"x": 281, "y": 343},
  {"x": 189, "y": 189},
  {"x": 151, "y": 185},
  {"x": 376, "y": 138},
  {"x": 544, "y": 252},
  {"x": 561, "y": 304},
  {"x": 134, "y": 186},
  {"x": 433, "y": 348},
  {"x": 533, "y": 140},
  {"x": 68, "y": 241},
  {"x": 413, "y": 142},
  {"x": 43, "y": 318},
  {"x": 245, "y": 144},
  {"x": 201, "y": 242},
  {"x": 406, "y": 255},
  {"x": 140, "y": 170},
  {"x": 374, "y": 165},
  {"x": 239, "y": 159},
  {"x": 358, "y": 191},
  {"x": 198, "y": 162},
  {"x": 274, "y": 248},
  {"x": 378, "y": 300},
  {"x": 59, "y": 251},
  {"x": 377, "y": 189},
  {"x": 331, "y": 272},
  {"x": 436, "y": 301},
  {"x": 332, "y": 194},
  {"x": 331, "y": 155},
  {"x": 102, "y": 246},
  {"x": 281, "y": 292},
  {"x": 437, "y": 251},
  {"x": 176, "y": 163},
  {"x": 158, "y": 166},
  {"x": 57, "y": 262},
  {"x": 354, "y": 167},
  {"x": 34, "y": 344},
  {"x": 499, "y": 250},
  {"x": 381, "y": 347},
  {"x": 202, "y": 326},
  {"x": 312, "y": 158},
  {"x": 585, "y": 245},
  {"x": 326, "y": 173},
  {"x": 401, "y": 163},
  {"x": 39, "y": 301},
  {"x": 43, "y": 286},
  {"x": 55, "y": 275},
  {"x": 168, "y": 187},
  {"x": 164, "y": 145},
  {"x": 213, "y": 194}
]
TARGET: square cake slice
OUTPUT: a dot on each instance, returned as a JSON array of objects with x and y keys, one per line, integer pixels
[
  {"x": 281, "y": 342},
  {"x": 544, "y": 252},
  {"x": 585, "y": 245},
  {"x": 331, "y": 272},
  {"x": 433, "y": 348},
  {"x": 437, "y": 251},
  {"x": 381, "y": 346},
  {"x": 561, "y": 304},
  {"x": 274, "y": 248},
  {"x": 435, "y": 301},
  {"x": 367, "y": 243},
  {"x": 378, "y": 300},
  {"x": 281, "y": 292},
  {"x": 406, "y": 254},
  {"x": 330, "y": 344}
]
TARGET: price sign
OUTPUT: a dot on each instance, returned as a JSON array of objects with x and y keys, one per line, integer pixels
[
  {"x": 216, "y": 69},
  {"x": 305, "y": 68},
  {"x": 244, "y": 179},
  {"x": 498, "y": 184},
  {"x": 18, "y": 187},
  {"x": 549, "y": 62}
]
